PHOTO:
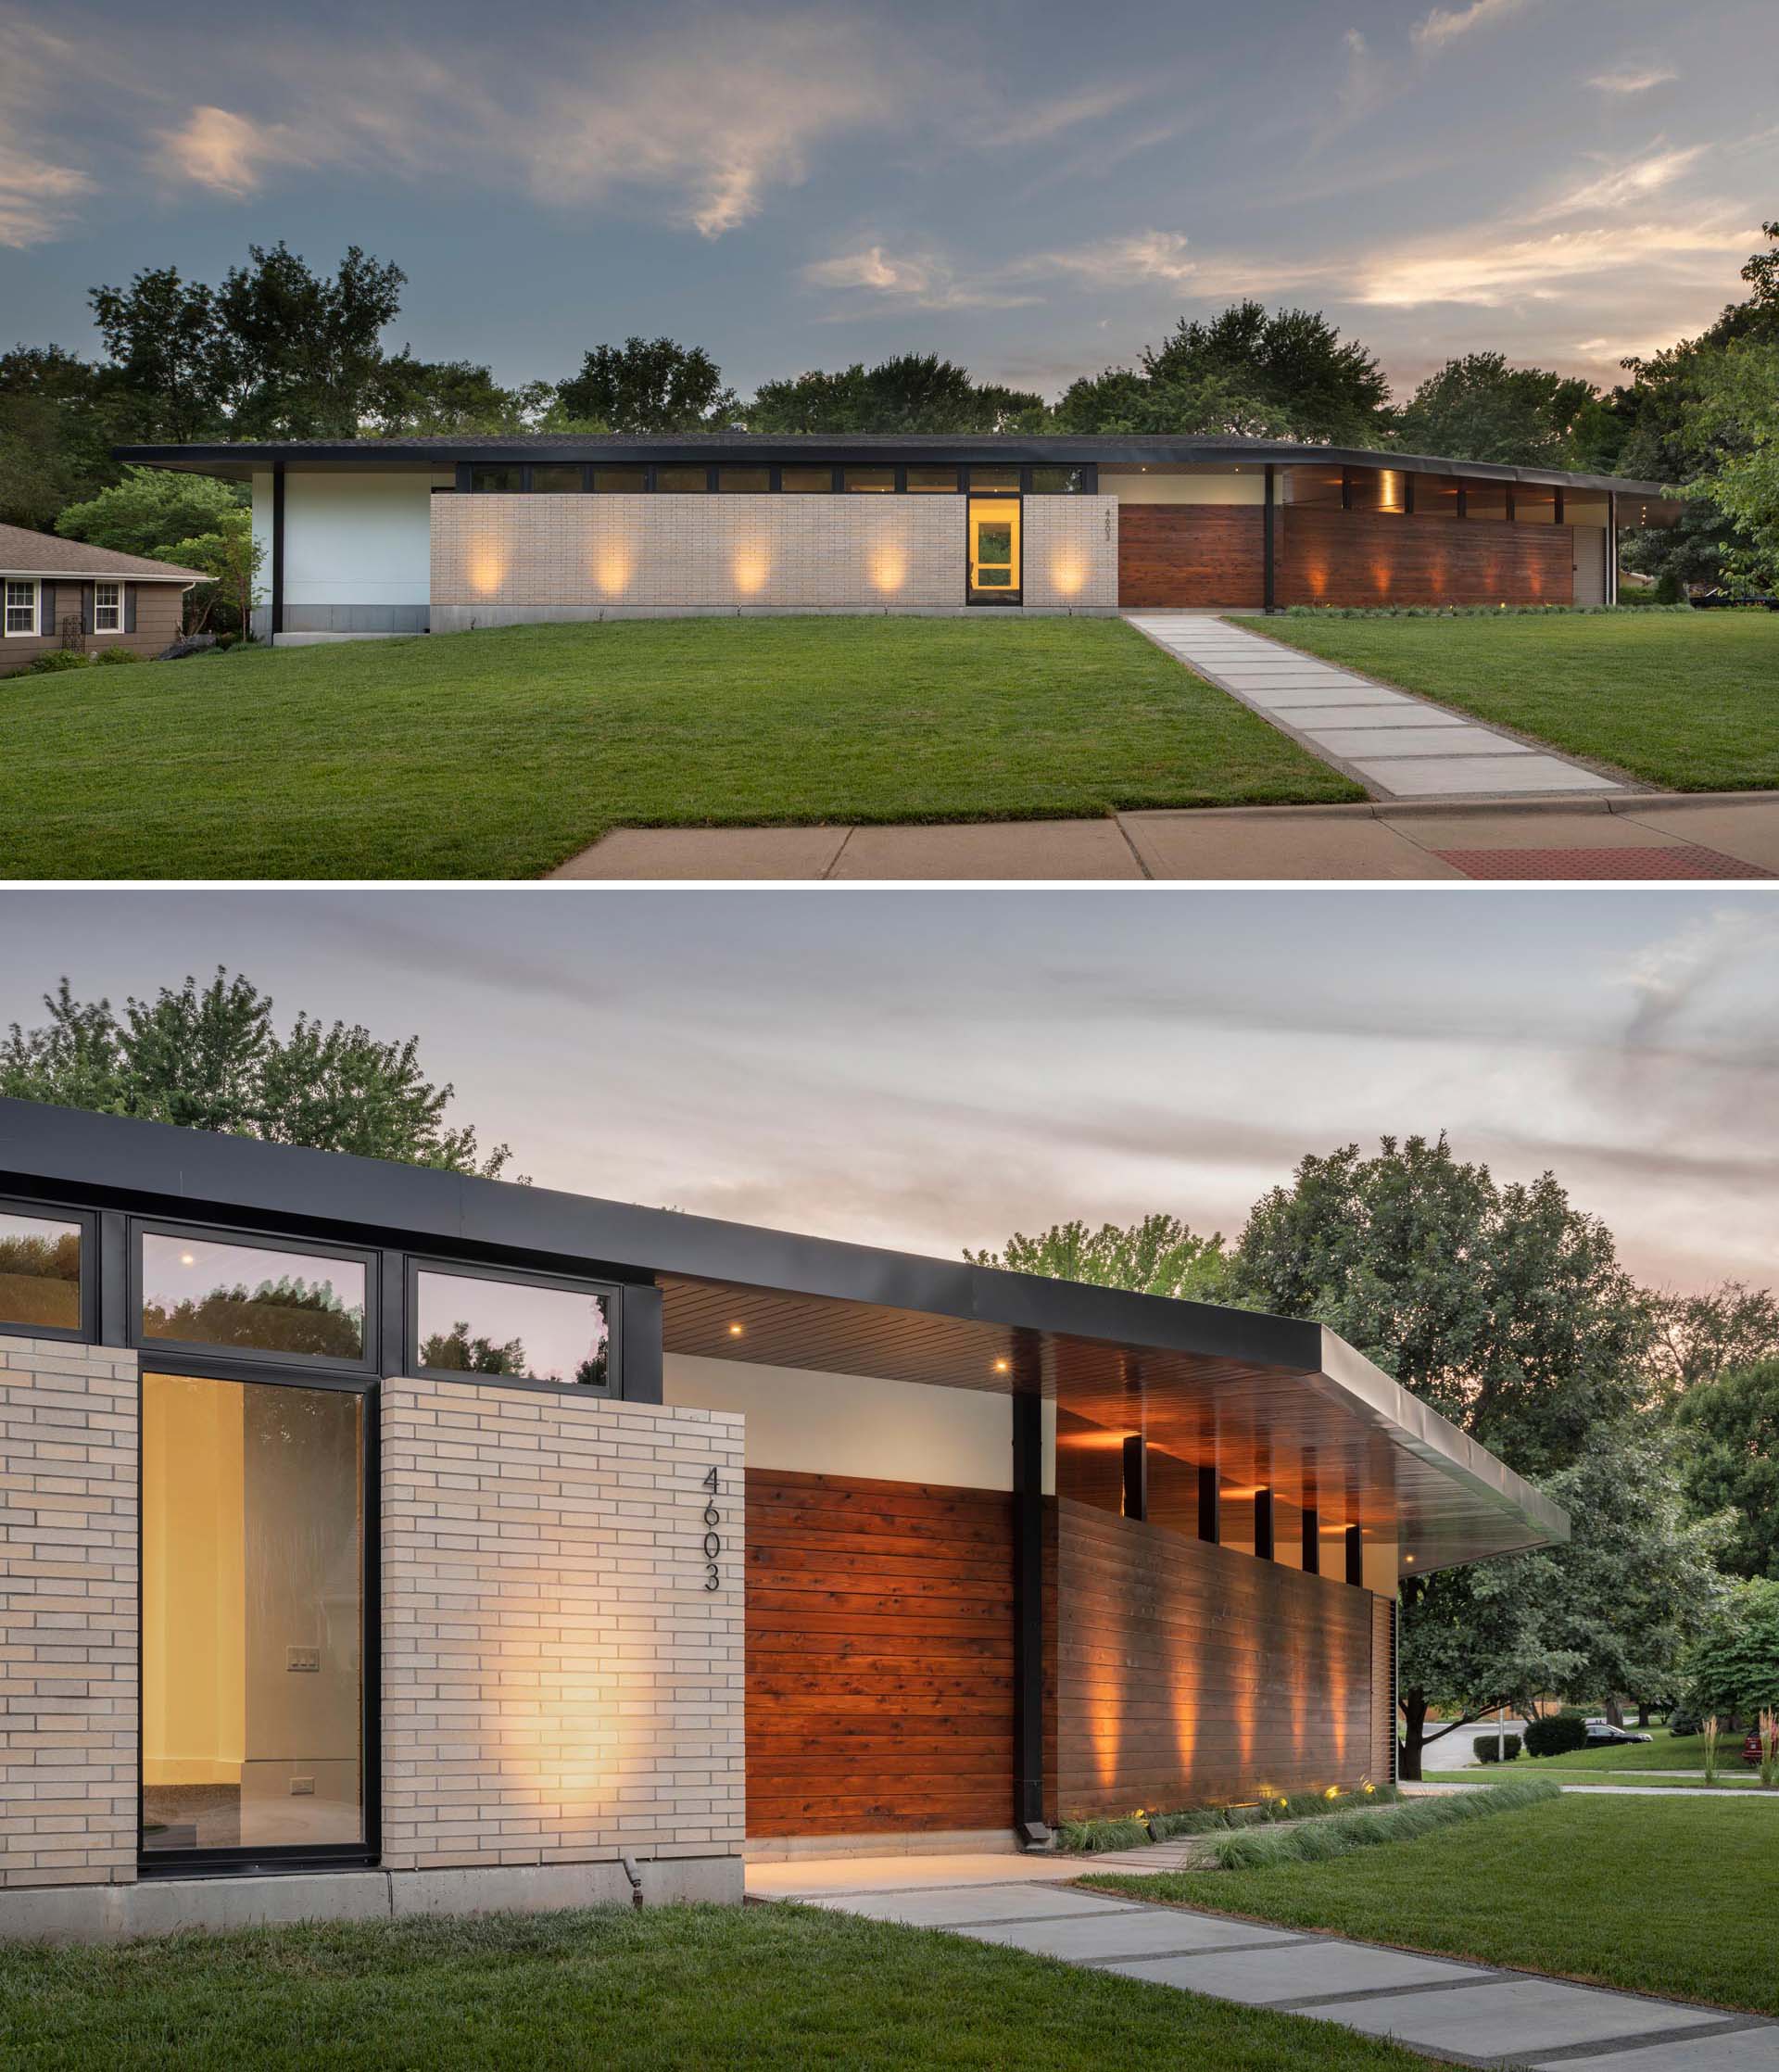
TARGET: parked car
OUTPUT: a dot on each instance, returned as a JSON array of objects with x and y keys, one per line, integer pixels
[
  {"x": 1751, "y": 1745},
  {"x": 1602, "y": 1734}
]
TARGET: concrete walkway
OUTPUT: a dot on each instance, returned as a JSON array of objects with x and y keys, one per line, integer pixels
[
  {"x": 1615, "y": 834},
  {"x": 1467, "y": 2014},
  {"x": 1398, "y": 746}
]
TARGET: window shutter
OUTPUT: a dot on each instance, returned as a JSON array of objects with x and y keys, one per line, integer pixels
[
  {"x": 47, "y": 609},
  {"x": 87, "y": 608},
  {"x": 129, "y": 607}
]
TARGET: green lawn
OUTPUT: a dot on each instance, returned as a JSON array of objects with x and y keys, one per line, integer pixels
[
  {"x": 1657, "y": 1895},
  {"x": 1738, "y": 1780},
  {"x": 1687, "y": 701},
  {"x": 1662, "y": 1751},
  {"x": 502, "y": 754},
  {"x": 694, "y": 1986}
]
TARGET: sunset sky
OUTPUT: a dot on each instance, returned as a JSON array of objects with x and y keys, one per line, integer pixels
[
  {"x": 932, "y": 1070},
  {"x": 1037, "y": 190}
]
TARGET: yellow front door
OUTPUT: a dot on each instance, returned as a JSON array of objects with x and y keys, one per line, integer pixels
[{"x": 994, "y": 549}]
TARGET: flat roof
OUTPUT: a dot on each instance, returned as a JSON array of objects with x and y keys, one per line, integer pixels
[
  {"x": 1275, "y": 1397},
  {"x": 241, "y": 459}
]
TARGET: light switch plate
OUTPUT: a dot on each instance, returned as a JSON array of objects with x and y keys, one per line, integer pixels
[
  {"x": 302, "y": 1787},
  {"x": 307, "y": 1660}
]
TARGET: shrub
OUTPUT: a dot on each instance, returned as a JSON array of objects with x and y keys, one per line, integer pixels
[
  {"x": 1318, "y": 1841},
  {"x": 1682, "y": 1721},
  {"x": 55, "y": 662},
  {"x": 192, "y": 644},
  {"x": 1669, "y": 588},
  {"x": 110, "y": 655},
  {"x": 1561, "y": 1735},
  {"x": 1498, "y": 1748},
  {"x": 1094, "y": 1837}
]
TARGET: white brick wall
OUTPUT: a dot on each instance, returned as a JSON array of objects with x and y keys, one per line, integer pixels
[
  {"x": 1071, "y": 550},
  {"x": 69, "y": 1556},
  {"x": 559, "y": 1685}
]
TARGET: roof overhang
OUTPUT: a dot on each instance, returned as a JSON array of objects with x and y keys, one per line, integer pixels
[{"x": 1272, "y": 1397}]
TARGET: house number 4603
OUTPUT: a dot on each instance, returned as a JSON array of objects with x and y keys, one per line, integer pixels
[{"x": 712, "y": 1538}]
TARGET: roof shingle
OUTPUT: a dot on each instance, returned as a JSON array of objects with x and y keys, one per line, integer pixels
[{"x": 23, "y": 552}]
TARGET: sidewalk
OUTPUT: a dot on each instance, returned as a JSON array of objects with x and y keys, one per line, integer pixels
[
  {"x": 1469, "y": 2013},
  {"x": 1609, "y": 835}
]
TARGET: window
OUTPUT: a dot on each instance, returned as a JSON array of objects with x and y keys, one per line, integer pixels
[
  {"x": 806, "y": 482},
  {"x": 870, "y": 482},
  {"x": 473, "y": 1323},
  {"x": 197, "y": 1292},
  {"x": 997, "y": 481},
  {"x": 40, "y": 1272},
  {"x": 108, "y": 607},
  {"x": 1486, "y": 499},
  {"x": 497, "y": 481},
  {"x": 556, "y": 482},
  {"x": 1058, "y": 482},
  {"x": 21, "y": 607},
  {"x": 1534, "y": 505},
  {"x": 1435, "y": 496},
  {"x": 1384, "y": 490},
  {"x": 1321, "y": 487},
  {"x": 744, "y": 482},
  {"x": 620, "y": 482},
  {"x": 932, "y": 481},
  {"x": 683, "y": 482},
  {"x": 253, "y": 1562}
]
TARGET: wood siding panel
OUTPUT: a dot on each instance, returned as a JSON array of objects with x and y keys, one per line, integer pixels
[
  {"x": 1366, "y": 558},
  {"x": 880, "y": 1656},
  {"x": 1190, "y": 554},
  {"x": 1384, "y": 1677},
  {"x": 1187, "y": 1672}
]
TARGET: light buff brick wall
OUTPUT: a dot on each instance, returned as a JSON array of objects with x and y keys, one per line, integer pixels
[
  {"x": 68, "y": 1555},
  {"x": 1071, "y": 550},
  {"x": 787, "y": 552},
  {"x": 559, "y": 1685}
]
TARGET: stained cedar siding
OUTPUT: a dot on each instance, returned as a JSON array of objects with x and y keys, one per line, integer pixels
[
  {"x": 1190, "y": 554},
  {"x": 1370, "y": 558},
  {"x": 1383, "y": 1712},
  {"x": 880, "y": 1656},
  {"x": 1187, "y": 1672}
]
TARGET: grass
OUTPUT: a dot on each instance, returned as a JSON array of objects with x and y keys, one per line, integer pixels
[
  {"x": 1688, "y": 700},
  {"x": 500, "y": 755},
  {"x": 1555, "y": 1769},
  {"x": 694, "y": 1986},
  {"x": 1322, "y": 1841},
  {"x": 1097, "y": 1837},
  {"x": 1654, "y": 1895}
]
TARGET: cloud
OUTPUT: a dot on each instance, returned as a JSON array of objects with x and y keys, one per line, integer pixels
[
  {"x": 37, "y": 199},
  {"x": 1487, "y": 268},
  {"x": 1042, "y": 122},
  {"x": 1632, "y": 79},
  {"x": 911, "y": 280},
  {"x": 226, "y": 152},
  {"x": 1445, "y": 25},
  {"x": 1129, "y": 261},
  {"x": 1627, "y": 185}
]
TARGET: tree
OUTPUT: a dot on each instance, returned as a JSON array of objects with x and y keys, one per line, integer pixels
[
  {"x": 1731, "y": 1464},
  {"x": 911, "y": 392},
  {"x": 649, "y": 385},
  {"x": 299, "y": 353},
  {"x": 59, "y": 417},
  {"x": 1733, "y": 1666},
  {"x": 1698, "y": 1337},
  {"x": 153, "y": 508},
  {"x": 230, "y": 558},
  {"x": 289, "y": 1315},
  {"x": 458, "y": 1352},
  {"x": 162, "y": 333},
  {"x": 414, "y": 397},
  {"x": 1158, "y": 1255},
  {"x": 1734, "y": 434},
  {"x": 1480, "y": 409},
  {"x": 210, "y": 1059}
]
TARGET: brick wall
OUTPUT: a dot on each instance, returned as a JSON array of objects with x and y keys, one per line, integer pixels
[
  {"x": 1071, "y": 550},
  {"x": 559, "y": 1683},
  {"x": 67, "y": 1613},
  {"x": 582, "y": 554}
]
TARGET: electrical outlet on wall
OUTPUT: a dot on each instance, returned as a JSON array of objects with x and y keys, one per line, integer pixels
[
  {"x": 302, "y": 1787},
  {"x": 307, "y": 1660}
]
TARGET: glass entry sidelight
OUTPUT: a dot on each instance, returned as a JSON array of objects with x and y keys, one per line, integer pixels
[
  {"x": 994, "y": 550},
  {"x": 252, "y": 1617}
]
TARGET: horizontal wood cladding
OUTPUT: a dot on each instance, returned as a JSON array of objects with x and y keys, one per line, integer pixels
[
  {"x": 1188, "y": 1671},
  {"x": 880, "y": 1656},
  {"x": 1369, "y": 558},
  {"x": 1180, "y": 554},
  {"x": 1383, "y": 1681}
]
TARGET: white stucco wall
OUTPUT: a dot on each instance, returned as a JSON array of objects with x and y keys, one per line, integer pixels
[
  {"x": 852, "y": 1425},
  {"x": 357, "y": 538},
  {"x": 1184, "y": 485}
]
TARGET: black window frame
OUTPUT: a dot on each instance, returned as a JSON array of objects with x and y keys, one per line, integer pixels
[
  {"x": 612, "y": 1291},
  {"x": 139, "y": 1227},
  {"x": 284, "y": 1857},
  {"x": 87, "y": 1331}
]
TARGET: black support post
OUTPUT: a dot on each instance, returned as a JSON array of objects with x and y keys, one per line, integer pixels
[
  {"x": 1612, "y": 547},
  {"x": 1209, "y": 1521},
  {"x": 1028, "y": 1600},
  {"x": 1269, "y": 594},
  {"x": 277, "y": 552},
  {"x": 113, "y": 1279},
  {"x": 641, "y": 1379},
  {"x": 1263, "y": 1524},
  {"x": 1312, "y": 1543},
  {"x": 1354, "y": 1557},
  {"x": 1136, "y": 1477}
]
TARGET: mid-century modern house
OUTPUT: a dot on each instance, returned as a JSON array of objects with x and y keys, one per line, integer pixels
[
  {"x": 405, "y": 535},
  {"x": 62, "y": 593},
  {"x": 379, "y": 1540}
]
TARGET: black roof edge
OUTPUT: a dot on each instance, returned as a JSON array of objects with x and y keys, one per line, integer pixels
[
  {"x": 89, "y": 1161},
  {"x": 244, "y": 457}
]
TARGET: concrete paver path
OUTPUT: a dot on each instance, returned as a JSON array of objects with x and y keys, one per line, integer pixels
[
  {"x": 1398, "y": 746},
  {"x": 1469, "y": 2013}
]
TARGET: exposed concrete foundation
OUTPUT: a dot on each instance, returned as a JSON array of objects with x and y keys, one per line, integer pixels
[{"x": 468, "y": 618}]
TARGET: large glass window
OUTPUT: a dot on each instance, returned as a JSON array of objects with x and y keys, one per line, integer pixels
[
  {"x": 1534, "y": 505},
  {"x": 40, "y": 1272},
  {"x": 997, "y": 481},
  {"x": 252, "y": 1616},
  {"x": 474, "y": 1324},
  {"x": 683, "y": 482},
  {"x": 556, "y": 481},
  {"x": 927, "y": 482},
  {"x": 505, "y": 482},
  {"x": 1486, "y": 499},
  {"x": 1435, "y": 496},
  {"x": 806, "y": 482},
  {"x": 1058, "y": 482},
  {"x": 1321, "y": 487},
  {"x": 875, "y": 482},
  {"x": 1384, "y": 490},
  {"x": 198, "y": 1292},
  {"x": 620, "y": 482},
  {"x": 744, "y": 482}
]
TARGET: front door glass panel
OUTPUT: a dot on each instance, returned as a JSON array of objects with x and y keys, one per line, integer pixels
[
  {"x": 252, "y": 1615},
  {"x": 994, "y": 549}
]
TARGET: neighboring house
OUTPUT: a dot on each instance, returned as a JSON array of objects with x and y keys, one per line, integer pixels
[
  {"x": 61, "y": 593},
  {"x": 406, "y": 536},
  {"x": 435, "y": 1543}
]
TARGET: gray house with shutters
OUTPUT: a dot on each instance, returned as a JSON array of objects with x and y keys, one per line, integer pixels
[{"x": 62, "y": 593}]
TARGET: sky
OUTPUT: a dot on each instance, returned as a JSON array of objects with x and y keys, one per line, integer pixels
[
  {"x": 931, "y": 1070},
  {"x": 1037, "y": 190}
]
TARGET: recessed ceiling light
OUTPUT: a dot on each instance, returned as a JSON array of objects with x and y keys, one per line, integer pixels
[
  {"x": 1003, "y": 1366},
  {"x": 735, "y": 1331}
]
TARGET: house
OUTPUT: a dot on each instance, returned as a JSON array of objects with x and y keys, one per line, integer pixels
[
  {"x": 61, "y": 593},
  {"x": 381, "y": 1539},
  {"x": 409, "y": 535}
]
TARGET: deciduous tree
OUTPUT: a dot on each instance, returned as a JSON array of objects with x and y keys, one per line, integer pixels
[
  {"x": 1158, "y": 1255},
  {"x": 649, "y": 385}
]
